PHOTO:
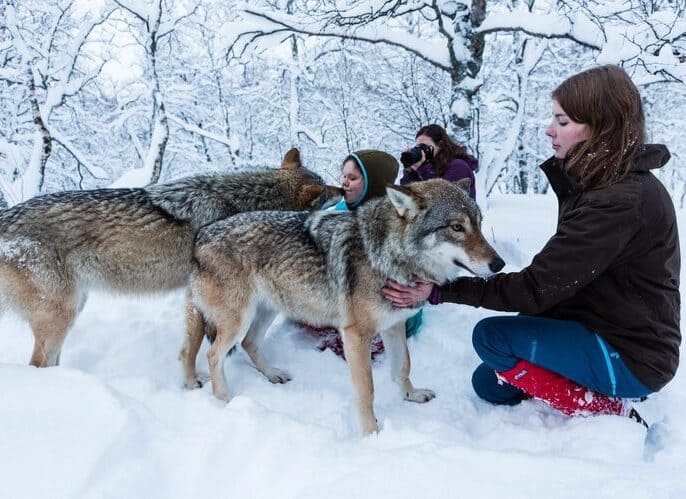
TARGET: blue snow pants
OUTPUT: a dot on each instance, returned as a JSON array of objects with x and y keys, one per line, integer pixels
[{"x": 565, "y": 347}]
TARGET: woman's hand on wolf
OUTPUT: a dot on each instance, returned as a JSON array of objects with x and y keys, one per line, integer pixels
[{"x": 407, "y": 296}]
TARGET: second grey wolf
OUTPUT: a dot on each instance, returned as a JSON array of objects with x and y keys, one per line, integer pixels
[
  {"x": 57, "y": 247},
  {"x": 328, "y": 268}
]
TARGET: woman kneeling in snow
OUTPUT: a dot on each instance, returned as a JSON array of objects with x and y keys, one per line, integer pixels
[{"x": 600, "y": 301}]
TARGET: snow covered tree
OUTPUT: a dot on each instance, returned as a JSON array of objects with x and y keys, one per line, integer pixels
[
  {"x": 159, "y": 19},
  {"x": 647, "y": 38},
  {"x": 44, "y": 66},
  {"x": 128, "y": 92}
]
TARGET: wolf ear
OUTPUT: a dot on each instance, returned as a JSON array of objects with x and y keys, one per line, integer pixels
[
  {"x": 291, "y": 160},
  {"x": 464, "y": 184},
  {"x": 406, "y": 202}
]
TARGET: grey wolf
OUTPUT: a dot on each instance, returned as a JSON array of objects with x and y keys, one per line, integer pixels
[
  {"x": 328, "y": 268},
  {"x": 57, "y": 247}
]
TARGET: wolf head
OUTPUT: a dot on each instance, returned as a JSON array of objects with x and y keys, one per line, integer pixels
[
  {"x": 441, "y": 230},
  {"x": 309, "y": 190}
]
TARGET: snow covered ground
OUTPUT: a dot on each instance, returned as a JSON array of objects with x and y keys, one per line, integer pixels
[{"x": 113, "y": 421}]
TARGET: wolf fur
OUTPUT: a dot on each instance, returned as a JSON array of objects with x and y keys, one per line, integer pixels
[
  {"x": 55, "y": 248},
  {"x": 328, "y": 268}
]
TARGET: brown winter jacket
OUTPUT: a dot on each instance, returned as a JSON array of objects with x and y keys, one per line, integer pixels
[{"x": 612, "y": 265}]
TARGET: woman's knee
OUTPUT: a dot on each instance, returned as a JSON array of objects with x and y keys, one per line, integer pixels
[
  {"x": 490, "y": 341},
  {"x": 483, "y": 330}
]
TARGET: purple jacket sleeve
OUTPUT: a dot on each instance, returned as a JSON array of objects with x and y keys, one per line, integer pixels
[
  {"x": 456, "y": 170},
  {"x": 425, "y": 171},
  {"x": 435, "y": 297},
  {"x": 409, "y": 176}
]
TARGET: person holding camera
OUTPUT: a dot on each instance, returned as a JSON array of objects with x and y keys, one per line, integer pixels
[{"x": 436, "y": 155}]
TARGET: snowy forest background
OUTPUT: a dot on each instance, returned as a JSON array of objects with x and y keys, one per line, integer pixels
[
  {"x": 99, "y": 93},
  {"x": 127, "y": 92}
]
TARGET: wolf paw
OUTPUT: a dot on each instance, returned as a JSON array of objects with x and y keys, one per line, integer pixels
[
  {"x": 222, "y": 395},
  {"x": 420, "y": 395},
  {"x": 277, "y": 376},
  {"x": 195, "y": 382},
  {"x": 370, "y": 429}
]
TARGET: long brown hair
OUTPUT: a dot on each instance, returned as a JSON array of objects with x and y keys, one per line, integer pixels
[
  {"x": 607, "y": 101},
  {"x": 448, "y": 149}
]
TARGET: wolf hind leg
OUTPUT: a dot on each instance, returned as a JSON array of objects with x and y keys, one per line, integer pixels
[
  {"x": 357, "y": 346},
  {"x": 195, "y": 329},
  {"x": 252, "y": 344},
  {"x": 229, "y": 307},
  {"x": 230, "y": 327},
  {"x": 395, "y": 343},
  {"x": 50, "y": 321}
]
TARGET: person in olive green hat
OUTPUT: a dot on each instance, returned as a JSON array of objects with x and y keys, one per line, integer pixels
[{"x": 365, "y": 176}]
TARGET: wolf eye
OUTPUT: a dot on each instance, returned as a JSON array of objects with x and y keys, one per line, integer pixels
[{"x": 457, "y": 227}]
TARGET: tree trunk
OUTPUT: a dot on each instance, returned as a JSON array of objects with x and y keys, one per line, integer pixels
[
  {"x": 160, "y": 132},
  {"x": 35, "y": 174},
  {"x": 464, "y": 74}
]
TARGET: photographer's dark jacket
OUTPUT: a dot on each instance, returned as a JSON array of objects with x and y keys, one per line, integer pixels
[
  {"x": 612, "y": 265},
  {"x": 458, "y": 168}
]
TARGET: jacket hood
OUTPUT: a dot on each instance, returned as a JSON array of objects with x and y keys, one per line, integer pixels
[
  {"x": 471, "y": 161},
  {"x": 378, "y": 169},
  {"x": 650, "y": 157}
]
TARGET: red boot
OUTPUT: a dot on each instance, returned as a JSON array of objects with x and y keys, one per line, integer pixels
[{"x": 561, "y": 393}]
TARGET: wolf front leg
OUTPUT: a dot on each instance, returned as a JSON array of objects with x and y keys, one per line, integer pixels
[
  {"x": 395, "y": 344},
  {"x": 358, "y": 352}
]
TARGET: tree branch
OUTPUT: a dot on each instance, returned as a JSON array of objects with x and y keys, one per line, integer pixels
[{"x": 434, "y": 53}]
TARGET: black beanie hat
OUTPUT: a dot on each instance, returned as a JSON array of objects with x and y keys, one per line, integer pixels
[{"x": 378, "y": 169}]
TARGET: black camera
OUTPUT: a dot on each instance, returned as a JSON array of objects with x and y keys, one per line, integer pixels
[{"x": 415, "y": 154}]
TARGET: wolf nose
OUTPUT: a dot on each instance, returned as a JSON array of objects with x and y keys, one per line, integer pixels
[{"x": 496, "y": 264}]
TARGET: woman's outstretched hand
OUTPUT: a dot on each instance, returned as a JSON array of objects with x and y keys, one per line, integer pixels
[{"x": 407, "y": 296}]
